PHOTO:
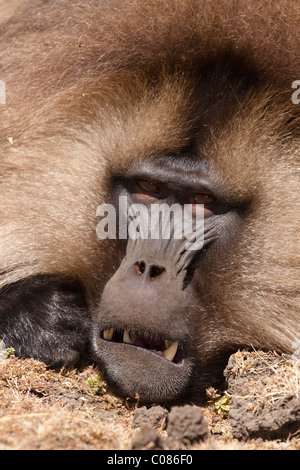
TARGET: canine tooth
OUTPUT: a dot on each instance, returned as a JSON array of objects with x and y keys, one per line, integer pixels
[
  {"x": 108, "y": 334},
  {"x": 171, "y": 351},
  {"x": 133, "y": 336},
  {"x": 126, "y": 337}
]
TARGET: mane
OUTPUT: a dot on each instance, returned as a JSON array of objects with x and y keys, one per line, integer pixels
[{"x": 79, "y": 39}]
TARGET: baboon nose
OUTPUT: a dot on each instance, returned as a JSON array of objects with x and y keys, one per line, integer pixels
[{"x": 150, "y": 271}]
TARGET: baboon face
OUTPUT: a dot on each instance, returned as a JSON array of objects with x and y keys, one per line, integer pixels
[
  {"x": 168, "y": 317},
  {"x": 123, "y": 108},
  {"x": 147, "y": 328}
]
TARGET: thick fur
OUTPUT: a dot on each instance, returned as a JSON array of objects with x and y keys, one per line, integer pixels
[
  {"x": 50, "y": 317},
  {"x": 94, "y": 85}
]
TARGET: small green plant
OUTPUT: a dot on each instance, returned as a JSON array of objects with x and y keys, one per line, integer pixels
[
  {"x": 221, "y": 403},
  {"x": 212, "y": 394},
  {"x": 10, "y": 352},
  {"x": 97, "y": 384}
]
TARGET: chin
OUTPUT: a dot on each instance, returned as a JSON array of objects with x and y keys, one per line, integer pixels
[{"x": 150, "y": 368}]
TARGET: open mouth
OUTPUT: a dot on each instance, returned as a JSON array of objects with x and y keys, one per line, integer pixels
[{"x": 167, "y": 349}]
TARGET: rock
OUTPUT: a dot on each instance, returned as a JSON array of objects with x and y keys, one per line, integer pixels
[
  {"x": 264, "y": 405},
  {"x": 156, "y": 415},
  {"x": 186, "y": 425},
  {"x": 146, "y": 438},
  {"x": 282, "y": 420}
]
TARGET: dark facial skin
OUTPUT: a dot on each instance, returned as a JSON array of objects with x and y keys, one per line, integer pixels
[{"x": 148, "y": 307}]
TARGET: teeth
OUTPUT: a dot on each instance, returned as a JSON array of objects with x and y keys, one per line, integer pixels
[
  {"x": 130, "y": 338},
  {"x": 171, "y": 350},
  {"x": 126, "y": 337},
  {"x": 108, "y": 334},
  {"x": 133, "y": 337}
]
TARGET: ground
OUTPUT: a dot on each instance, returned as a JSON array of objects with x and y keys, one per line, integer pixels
[{"x": 43, "y": 409}]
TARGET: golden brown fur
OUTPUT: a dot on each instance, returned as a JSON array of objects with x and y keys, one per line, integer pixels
[{"x": 93, "y": 85}]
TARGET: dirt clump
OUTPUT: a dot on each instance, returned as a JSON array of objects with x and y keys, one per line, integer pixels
[
  {"x": 156, "y": 416},
  {"x": 185, "y": 425},
  {"x": 265, "y": 392},
  {"x": 147, "y": 438}
]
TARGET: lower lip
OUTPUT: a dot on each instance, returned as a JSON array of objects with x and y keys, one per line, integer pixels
[
  {"x": 131, "y": 370},
  {"x": 141, "y": 342},
  {"x": 137, "y": 349}
]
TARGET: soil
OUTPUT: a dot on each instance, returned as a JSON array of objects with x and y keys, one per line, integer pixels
[
  {"x": 265, "y": 395},
  {"x": 43, "y": 409}
]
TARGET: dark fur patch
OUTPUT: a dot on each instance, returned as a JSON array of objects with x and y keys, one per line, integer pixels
[{"x": 45, "y": 318}]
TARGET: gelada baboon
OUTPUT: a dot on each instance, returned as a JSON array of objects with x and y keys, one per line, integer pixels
[{"x": 180, "y": 101}]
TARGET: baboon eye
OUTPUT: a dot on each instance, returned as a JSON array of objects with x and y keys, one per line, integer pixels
[
  {"x": 202, "y": 199},
  {"x": 148, "y": 186}
]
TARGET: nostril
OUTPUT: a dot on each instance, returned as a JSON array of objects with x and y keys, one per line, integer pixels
[
  {"x": 153, "y": 271},
  {"x": 140, "y": 267},
  {"x": 156, "y": 271}
]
